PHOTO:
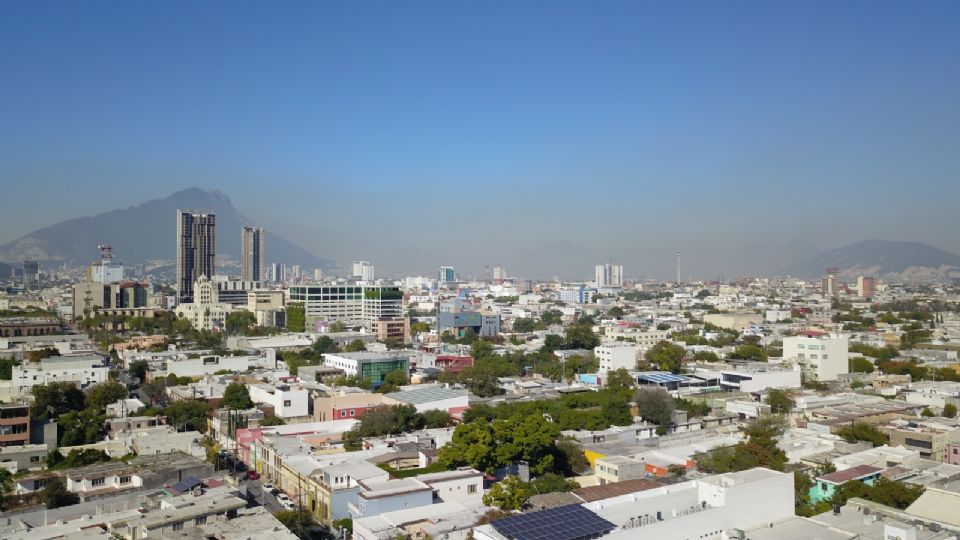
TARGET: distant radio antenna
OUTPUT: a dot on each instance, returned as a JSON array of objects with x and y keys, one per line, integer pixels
[{"x": 678, "y": 268}]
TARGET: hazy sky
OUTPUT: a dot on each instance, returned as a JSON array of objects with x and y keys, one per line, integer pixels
[{"x": 530, "y": 134}]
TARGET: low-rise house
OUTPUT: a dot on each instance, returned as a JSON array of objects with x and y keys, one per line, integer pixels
[{"x": 826, "y": 485}]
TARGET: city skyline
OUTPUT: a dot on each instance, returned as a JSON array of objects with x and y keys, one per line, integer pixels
[{"x": 714, "y": 132}]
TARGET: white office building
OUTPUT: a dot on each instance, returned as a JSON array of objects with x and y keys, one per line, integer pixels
[
  {"x": 821, "y": 357},
  {"x": 608, "y": 275},
  {"x": 616, "y": 356}
]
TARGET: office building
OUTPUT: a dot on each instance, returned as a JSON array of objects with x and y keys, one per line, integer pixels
[
  {"x": 616, "y": 356},
  {"x": 278, "y": 272},
  {"x": 31, "y": 274},
  {"x": 372, "y": 366},
  {"x": 499, "y": 274},
  {"x": 363, "y": 270},
  {"x": 609, "y": 275},
  {"x": 105, "y": 270},
  {"x": 481, "y": 323},
  {"x": 252, "y": 243},
  {"x": 866, "y": 287},
  {"x": 822, "y": 357},
  {"x": 446, "y": 275},
  {"x": 829, "y": 286},
  {"x": 196, "y": 250},
  {"x": 357, "y": 305},
  {"x": 576, "y": 295},
  {"x": 92, "y": 296},
  {"x": 206, "y": 311}
]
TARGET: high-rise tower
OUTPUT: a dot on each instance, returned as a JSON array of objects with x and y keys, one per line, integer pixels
[
  {"x": 252, "y": 244},
  {"x": 196, "y": 250}
]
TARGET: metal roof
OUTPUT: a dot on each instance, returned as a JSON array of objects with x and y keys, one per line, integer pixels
[
  {"x": 419, "y": 396},
  {"x": 660, "y": 377}
]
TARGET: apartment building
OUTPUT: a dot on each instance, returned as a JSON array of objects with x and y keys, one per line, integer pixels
[
  {"x": 931, "y": 438},
  {"x": 616, "y": 356},
  {"x": 81, "y": 370},
  {"x": 359, "y": 305},
  {"x": 14, "y": 424},
  {"x": 822, "y": 357}
]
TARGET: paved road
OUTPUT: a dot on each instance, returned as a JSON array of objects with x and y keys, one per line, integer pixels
[{"x": 267, "y": 500}]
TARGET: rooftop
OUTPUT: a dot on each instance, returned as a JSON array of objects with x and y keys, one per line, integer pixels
[
  {"x": 853, "y": 473},
  {"x": 419, "y": 396}
]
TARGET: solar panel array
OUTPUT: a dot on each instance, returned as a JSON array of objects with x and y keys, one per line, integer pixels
[
  {"x": 186, "y": 485},
  {"x": 571, "y": 522}
]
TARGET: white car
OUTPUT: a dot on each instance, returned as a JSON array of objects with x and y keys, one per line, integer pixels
[
  {"x": 282, "y": 497},
  {"x": 268, "y": 487},
  {"x": 288, "y": 504}
]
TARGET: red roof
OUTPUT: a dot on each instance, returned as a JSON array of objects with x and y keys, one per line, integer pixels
[{"x": 853, "y": 473}]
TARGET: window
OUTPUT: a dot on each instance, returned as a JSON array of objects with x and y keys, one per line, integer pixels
[
  {"x": 97, "y": 482},
  {"x": 36, "y": 459},
  {"x": 125, "y": 479},
  {"x": 178, "y": 526},
  {"x": 472, "y": 488},
  {"x": 353, "y": 412},
  {"x": 343, "y": 413},
  {"x": 201, "y": 520},
  {"x": 286, "y": 403}
]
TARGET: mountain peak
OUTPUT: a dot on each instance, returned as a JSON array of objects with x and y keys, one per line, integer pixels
[
  {"x": 899, "y": 260},
  {"x": 148, "y": 232}
]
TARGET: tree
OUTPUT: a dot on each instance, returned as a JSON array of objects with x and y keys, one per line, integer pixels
[
  {"x": 581, "y": 336},
  {"x": 619, "y": 380},
  {"x": 419, "y": 328},
  {"x": 861, "y": 431},
  {"x": 155, "y": 392},
  {"x": 6, "y": 485},
  {"x": 55, "y": 399},
  {"x": 949, "y": 410},
  {"x": 508, "y": 494},
  {"x": 749, "y": 351},
  {"x": 55, "y": 494},
  {"x": 666, "y": 356},
  {"x": 138, "y": 370},
  {"x": 393, "y": 380},
  {"x": 705, "y": 356},
  {"x": 75, "y": 459},
  {"x": 571, "y": 458},
  {"x": 524, "y": 325},
  {"x": 355, "y": 346},
  {"x": 80, "y": 427},
  {"x": 615, "y": 311},
  {"x": 240, "y": 321},
  {"x": 677, "y": 470},
  {"x": 6, "y": 368},
  {"x": 551, "y": 343},
  {"x": 237, "y": 397},
  {"x": 271, "y": 420},
  {"x": 337, "y": 327},
  {"x": 926, "y": 412},
  {"x": 188, "y": 414},
  {"x": 859, "y": 364},
  {"x": 105, "y": 393},
  {"x": 655, "y": 405},
  {"x": 296, "y": 317},
  {"x": 779, "y": 401},
  {"x": 551, "y": 483},
  {"x": 299, "y": 522},
  {"x": 436, "y": 419},
  {"x": 324, "y": 345}
]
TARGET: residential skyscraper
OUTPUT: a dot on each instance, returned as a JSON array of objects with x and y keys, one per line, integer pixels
[
  {"x": 866, "y": 286},
  {"x": 609, "y": 275},
  {"x": 196, "y": 250},
  {"x": 252, "y": 240}
]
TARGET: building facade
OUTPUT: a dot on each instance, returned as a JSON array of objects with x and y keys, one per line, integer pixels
[
  {"x": 196, "y": 250},
  {"x": 252, "y": 244},
  {"x": 821, "y": 357}
]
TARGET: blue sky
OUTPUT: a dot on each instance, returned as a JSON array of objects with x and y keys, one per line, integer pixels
[{"x": 537, "y": 135}]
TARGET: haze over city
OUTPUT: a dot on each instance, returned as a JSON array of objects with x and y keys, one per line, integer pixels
[{"x": 544, "y": 136}]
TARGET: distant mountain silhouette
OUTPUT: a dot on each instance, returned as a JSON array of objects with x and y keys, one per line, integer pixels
[
  {"x": 883, "y": 258},
  {"x": 148, "y": 232}
]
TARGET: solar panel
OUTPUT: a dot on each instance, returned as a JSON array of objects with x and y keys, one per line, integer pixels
[
  {"x": 571, "y": 522},
  {"x": 186, "y": 485}
]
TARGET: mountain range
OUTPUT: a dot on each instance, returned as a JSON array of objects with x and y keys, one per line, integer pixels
[
  {"x": 147, "y": 232},
  {"x": 904, "y": 261}
]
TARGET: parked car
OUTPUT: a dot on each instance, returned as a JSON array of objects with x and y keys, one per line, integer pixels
[
  {"x": 269, "y": 488},
  {"x": 288, "y": 504},
  {"x": 253, "y": 475},
  {"x": 282, "y": 497}
]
